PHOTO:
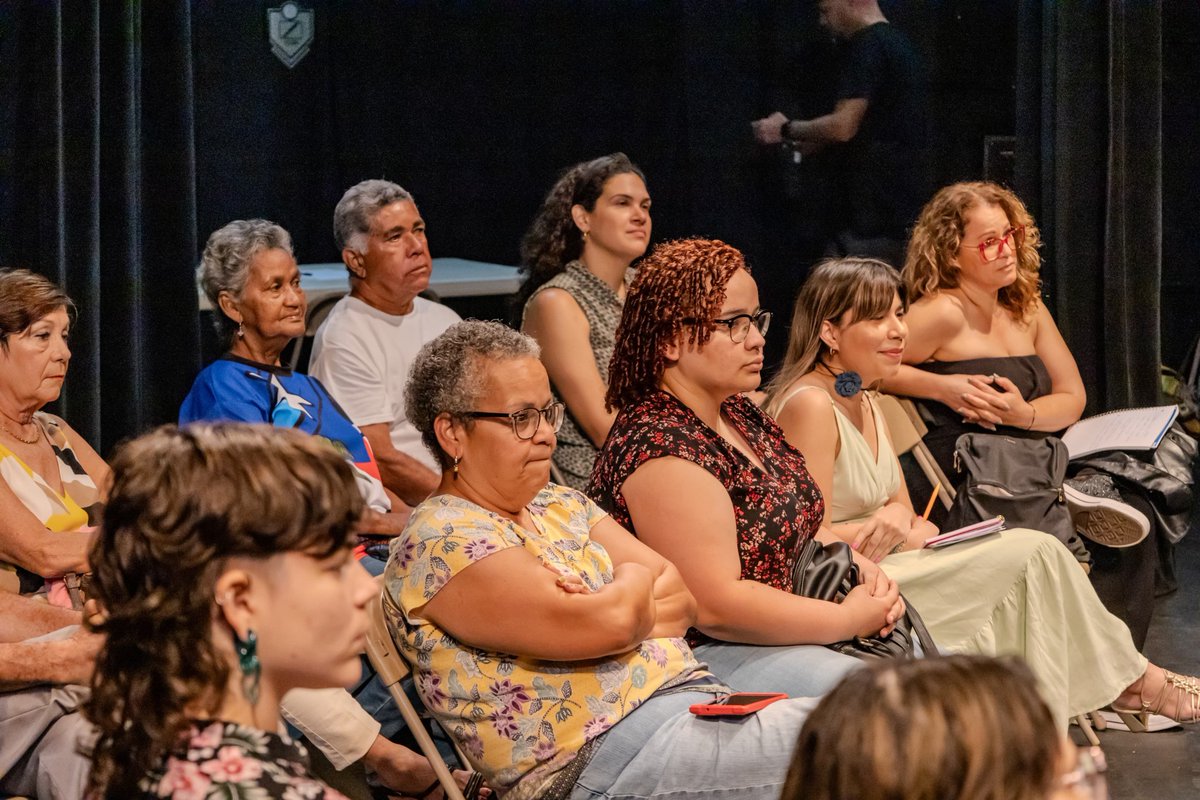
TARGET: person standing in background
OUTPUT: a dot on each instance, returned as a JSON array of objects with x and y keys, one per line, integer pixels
[{"x": 879, "y": 122}]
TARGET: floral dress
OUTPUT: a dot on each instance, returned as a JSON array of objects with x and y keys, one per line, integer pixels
[
  {"x": 226, "y": 760},
  {"x": 776, "y": 511},
  {"x": 520, "y": 721}
]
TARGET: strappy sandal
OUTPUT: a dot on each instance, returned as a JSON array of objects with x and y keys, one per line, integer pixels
[{"x": 1183, "y": 689}]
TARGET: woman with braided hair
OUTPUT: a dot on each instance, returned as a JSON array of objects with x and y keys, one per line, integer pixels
[{"x": 592, "y": 225}]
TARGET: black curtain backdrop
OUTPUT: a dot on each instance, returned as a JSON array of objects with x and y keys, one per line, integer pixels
[
  {"x": 97, "y": 192},
  {"x": 1089, "y": 162},
  {"x": 129, "y": 131}
]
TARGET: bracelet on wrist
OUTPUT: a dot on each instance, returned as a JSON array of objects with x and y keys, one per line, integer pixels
[{"x": 1033, "y": 418}]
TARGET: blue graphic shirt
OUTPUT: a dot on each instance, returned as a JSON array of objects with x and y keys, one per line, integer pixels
[{"x": 233, "y": 388}]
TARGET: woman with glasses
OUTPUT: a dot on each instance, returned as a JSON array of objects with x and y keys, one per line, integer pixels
[
  {"x": 985, "y": 355},
  {"x": 594, "y": 222},
  {"x": 978, "y": 725},
  {"x": 544, "y": 638},
  {"x": 695, "y": 470}
]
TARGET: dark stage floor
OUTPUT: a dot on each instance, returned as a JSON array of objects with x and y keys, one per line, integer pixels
[{"x": 1165, "y": 765}]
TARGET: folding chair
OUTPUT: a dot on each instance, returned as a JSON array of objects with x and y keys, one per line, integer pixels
[
  {"x": 298, "y": 351},
  {"x": 907, "y": 429},
  {"x": 386, "y": 659}
]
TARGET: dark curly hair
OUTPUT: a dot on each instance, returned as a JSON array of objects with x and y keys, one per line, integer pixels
[
  {"x": 937, "y": 236},
  {"x": 182, "y": 502},
  {"x": 958, "y": 726},
  {"x": 553, "y": 240},
  {"x": 681, "y": 279}
]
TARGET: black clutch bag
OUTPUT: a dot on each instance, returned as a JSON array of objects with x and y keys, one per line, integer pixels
[{"x": 828, "y": 572}]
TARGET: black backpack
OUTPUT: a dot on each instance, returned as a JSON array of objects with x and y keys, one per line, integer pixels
[{"x": 1019, "y": 479}]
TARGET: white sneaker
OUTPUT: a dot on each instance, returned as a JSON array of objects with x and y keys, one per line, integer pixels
[{"x": 1098, "y": 513}]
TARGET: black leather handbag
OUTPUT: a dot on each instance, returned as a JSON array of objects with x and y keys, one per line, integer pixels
[{"x": 828, "y": 572}]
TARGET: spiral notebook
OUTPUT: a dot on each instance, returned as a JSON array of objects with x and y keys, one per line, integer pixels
[
  {"x": 966, "y": 534},
  {"x": 1128, "y": 429}
]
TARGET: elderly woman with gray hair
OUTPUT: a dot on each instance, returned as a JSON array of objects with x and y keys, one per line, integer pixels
[
  {"x": 250, "y": 276},
  {"x": 545, "y": 638}
]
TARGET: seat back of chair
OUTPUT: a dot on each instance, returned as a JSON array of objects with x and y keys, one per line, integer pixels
[
  {"x": 381, "y": 649},
  {"x": 905, "y": 433},
  {"x": 908, "y": 429},
  {"x": 386, "y": 659}
]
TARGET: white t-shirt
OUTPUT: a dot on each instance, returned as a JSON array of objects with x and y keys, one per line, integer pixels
[{"x": 363, "y": 355}]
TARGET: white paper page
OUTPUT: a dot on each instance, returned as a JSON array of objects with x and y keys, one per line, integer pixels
[{"x": 1131, "y": 429}]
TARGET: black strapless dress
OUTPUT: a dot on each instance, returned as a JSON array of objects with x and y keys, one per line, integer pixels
[{"x": 1028, "y": 373}]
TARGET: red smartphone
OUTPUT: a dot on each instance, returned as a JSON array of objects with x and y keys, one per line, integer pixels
[{"x": 737, "y": 704}]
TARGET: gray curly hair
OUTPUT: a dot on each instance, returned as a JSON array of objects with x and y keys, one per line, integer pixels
[
  {"x": 225, "y": 264},
  {"x": 358, "y": 206},
  {"x": 450, "y": 372}
]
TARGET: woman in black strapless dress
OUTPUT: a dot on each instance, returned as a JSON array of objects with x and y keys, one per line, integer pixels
[{"x": 984, "y": 354}]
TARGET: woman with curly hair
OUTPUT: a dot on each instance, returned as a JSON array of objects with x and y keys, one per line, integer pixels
[
  {"x": 985, "y": 353},
  {"x": 592, "y": 225},
  {"x": 217, "y": 603},
  {"x": 695, "y": 470}
]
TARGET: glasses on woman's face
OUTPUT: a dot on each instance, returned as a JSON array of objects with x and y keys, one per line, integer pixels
[
  {"x": 992, "y": 248},
  {"x": 1088, "y": 779},
  {"x": 739, "y": 325},
  {"x": 526, "y": 421}
]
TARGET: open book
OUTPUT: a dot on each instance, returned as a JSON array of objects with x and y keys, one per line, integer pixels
[
  {"x": 1130, "y": 429},
  {"x": 988, "y": 526}
]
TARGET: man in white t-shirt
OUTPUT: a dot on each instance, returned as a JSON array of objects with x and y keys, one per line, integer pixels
[{"x": 364, "y": 348}]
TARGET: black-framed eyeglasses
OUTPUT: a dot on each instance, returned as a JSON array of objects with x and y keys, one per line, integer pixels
[
  {"x": 992, "y": 248},
  {"x": 1088, "y": 779},
  {"x": 739, "y": 325},
  {"x": 526, "y": 421}
]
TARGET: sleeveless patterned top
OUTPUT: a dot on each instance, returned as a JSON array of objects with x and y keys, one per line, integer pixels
[
  {"x": 602, "y": 308},
  {"x": 776, "y": 511},
  {"x": 77, "y": 506}
]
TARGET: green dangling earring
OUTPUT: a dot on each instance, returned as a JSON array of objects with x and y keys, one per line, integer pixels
[{"x": 247, "y": 651}]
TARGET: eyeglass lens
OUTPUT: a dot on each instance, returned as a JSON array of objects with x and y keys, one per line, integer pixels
[
  {"x": 993, "y": 248},
  {"x": 740, "y": 329},
  {"x": 1088, "y": 779},
  {"x": 527, "y": 420}
]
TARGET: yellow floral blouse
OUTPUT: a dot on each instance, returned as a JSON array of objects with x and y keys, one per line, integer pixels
[{"x": 518, "y": 720}]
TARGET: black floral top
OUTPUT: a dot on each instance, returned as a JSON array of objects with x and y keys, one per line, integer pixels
[
  {"x": 227, "y": 760},
  {"x": 777, "y": 511}
]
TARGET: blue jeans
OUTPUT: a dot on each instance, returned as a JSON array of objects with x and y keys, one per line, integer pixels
[
  {"x": 803, "y": 670},
  {"x": 663, "y": 750}
]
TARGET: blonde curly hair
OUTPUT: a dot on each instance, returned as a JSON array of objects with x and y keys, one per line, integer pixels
[{"x": 929, "y": 266}]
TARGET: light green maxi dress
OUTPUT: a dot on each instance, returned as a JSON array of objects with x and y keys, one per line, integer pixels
[{"x": 1019, "y": 592}]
